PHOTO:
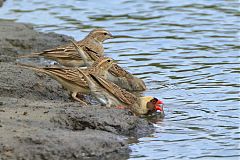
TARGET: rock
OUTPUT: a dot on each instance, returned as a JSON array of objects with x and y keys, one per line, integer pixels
[
  {"x": 111, "y": 120},
  {"x": 24, "y": 83},
  {"x": 40, "y": 121},
  {"x": 64, "y": 144},
  {"x": 36, "y": 136},
  {"x": 19, "y": 38}
]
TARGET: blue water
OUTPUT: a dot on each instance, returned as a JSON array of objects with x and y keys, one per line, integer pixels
[{"x": 186, "y": 51}]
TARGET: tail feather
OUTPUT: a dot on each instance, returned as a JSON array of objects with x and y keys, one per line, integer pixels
[
  {"x": 32, "y": 55},
  {"x": 51, "y": 71},
  {"x": 28, "y": 66}
]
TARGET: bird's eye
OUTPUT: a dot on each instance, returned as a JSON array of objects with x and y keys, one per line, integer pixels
[
  {"x": 109, "y": 60},
  {"x": 153, "y": 101},
  {"x": 105, "y": 34}
]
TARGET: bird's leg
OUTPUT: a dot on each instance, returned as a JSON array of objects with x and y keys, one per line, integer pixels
[
  {"x": 80, "y": 95},
  {"x": 120, "y": 107},
  {"x": 74, "y": 96}
]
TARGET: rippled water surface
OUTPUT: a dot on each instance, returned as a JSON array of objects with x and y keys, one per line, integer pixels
[{"x": 186, "y": 51}]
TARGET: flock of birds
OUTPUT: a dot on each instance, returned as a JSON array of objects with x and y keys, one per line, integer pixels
[{"x": 103, "y": 78}]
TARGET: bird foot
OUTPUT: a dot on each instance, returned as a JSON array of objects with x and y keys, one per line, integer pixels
[{"x": 120, "y": 107}]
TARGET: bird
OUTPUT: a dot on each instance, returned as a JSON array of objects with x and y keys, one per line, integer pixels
[
  {"x": 111, "y": 95},
  {"x": 66, "y": 54},
  {"x": 72, "y": 78},
  {"x": 116, "y": 73}
]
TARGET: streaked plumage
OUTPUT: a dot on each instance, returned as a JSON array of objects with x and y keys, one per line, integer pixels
[
  {"x": 112, "y": 95},
  {"x": 116, "y": 73},
  {"x": 72, "y": 78},
  {"x": 66, "y": 54}
]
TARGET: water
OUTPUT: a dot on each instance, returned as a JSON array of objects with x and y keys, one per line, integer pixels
[{"x": 186, "y": 51}]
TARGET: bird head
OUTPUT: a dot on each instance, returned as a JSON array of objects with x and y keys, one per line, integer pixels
[
  {"x": 103, "y": 63},
  {"x": 100, "y": 35},
  {"x": 152, "y": 104}
]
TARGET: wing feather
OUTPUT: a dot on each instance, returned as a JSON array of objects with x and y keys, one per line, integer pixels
[
  {"x": 118, "y": 71},
  {"x": 68, "y": 52},
  {"x": 71, "y": 75},
  {"x": 121, "y": 94}
]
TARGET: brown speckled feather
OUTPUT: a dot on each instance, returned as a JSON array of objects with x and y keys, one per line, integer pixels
[
  {"x": 91, "y": 54},
  {"x": 131, "y": 83},
  {"x": 121, "y": 94},
  {"x": 71, "y": 75},
  {"x": 67, "y": 52},
  {"x": 116, "y": 70}
]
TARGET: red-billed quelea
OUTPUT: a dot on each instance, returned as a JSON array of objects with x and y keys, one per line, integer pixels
[{"x": 111, "y": 95}]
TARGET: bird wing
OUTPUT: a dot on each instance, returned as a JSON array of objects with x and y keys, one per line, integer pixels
[
  {"x": 64, "y": 52},
  {"x": 121, "y": 94},
  {"x": 118, "y": 71},
  {"x": 69, "y": 52},
  {"x": 91, "y": 53},
  {"x": 68, "y": 74}
]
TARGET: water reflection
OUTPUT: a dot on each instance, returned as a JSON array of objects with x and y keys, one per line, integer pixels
[{"x": 187, "y": 52}]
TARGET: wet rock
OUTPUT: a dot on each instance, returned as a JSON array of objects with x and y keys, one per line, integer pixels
[{"x": 120, "y": 122}]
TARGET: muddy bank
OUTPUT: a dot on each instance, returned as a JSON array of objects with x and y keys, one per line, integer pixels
[{"x": 38, "y": 120}]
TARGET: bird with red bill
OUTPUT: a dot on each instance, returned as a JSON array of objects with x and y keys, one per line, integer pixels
[
  {"x": 159, "y": 105},
  {"x": 111, "y": 95},
  {"x": 154, "y": 105}
]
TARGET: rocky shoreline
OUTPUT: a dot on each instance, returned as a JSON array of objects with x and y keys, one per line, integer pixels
[{"x": 37, "y": 118}]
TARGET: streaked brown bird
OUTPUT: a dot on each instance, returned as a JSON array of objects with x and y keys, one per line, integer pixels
[
  {"x": 72, "y": 78},
  {"x": 111, "y": 95},
  {"x": 116, "y": 73},
  {"x": 66, "y": 54}
]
